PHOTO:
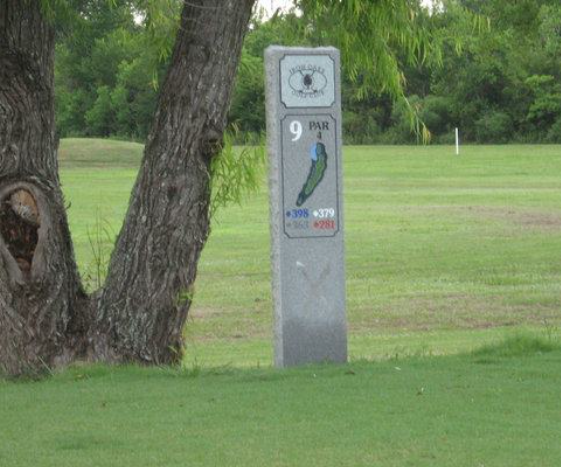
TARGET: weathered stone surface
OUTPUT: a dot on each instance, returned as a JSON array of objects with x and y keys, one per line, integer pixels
[{"x": 307, "y": 251}]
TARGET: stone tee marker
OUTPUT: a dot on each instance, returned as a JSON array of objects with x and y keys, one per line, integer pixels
[{"x": 307, "y": 252}]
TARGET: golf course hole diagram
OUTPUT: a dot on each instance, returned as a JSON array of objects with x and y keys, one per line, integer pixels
[{"x": 310, "y": 166}]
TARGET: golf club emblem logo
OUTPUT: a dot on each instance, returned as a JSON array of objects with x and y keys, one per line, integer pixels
[{"x": 307, "y": 81}]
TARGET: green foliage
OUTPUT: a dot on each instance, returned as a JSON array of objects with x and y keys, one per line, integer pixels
[
  {"x": 502, "y": 84},
  {"x": 104, "y": 75},
  {"x": 494, "y": 127},
  {"x": 60, "y": 11},
  {"x": 371, "y": 34},
  {"x": 361, "y": 128},
  {"x": 161, "y": 18},
  {"x": 71, "y": 109},
  {"x": 248, "y": 105},
  {"x": 134, "y": 98},
  {"x": 491, "y": 68},
  {"x": 375, "y": 39},
  {"x": 400, "y": 129},
  {"x": 100, "y": 117},
  {"x": 550, "y": 28},
  {"x": 554, "y": 133},
  {"x": 235, "y": 172},
  {"x": 546, "y": 105},
  {"x": 436, "y": 114}
]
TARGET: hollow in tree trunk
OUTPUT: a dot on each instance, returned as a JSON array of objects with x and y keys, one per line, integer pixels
[{"x": 41, "y": 299}]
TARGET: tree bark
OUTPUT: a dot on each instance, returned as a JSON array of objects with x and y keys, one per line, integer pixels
[
  {"x": 142, "y": 309},
  {"x": 46, "y": 319},
  {"x": 41, "y": 300}
]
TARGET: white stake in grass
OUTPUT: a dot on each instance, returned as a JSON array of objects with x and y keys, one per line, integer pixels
[{"x": 457, "y": 142}]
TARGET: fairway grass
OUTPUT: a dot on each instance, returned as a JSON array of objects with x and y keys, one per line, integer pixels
[
  {"x": 444, "y": 253},
  {"x": 498, "y": 407},
  {"x": 453, "y": 281}
]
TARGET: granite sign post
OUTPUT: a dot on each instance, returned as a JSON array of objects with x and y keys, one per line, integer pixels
[{"x": 307, "y": 251}]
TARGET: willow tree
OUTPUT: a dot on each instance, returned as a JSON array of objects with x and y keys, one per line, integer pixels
[{"x": 46, "y": 318}]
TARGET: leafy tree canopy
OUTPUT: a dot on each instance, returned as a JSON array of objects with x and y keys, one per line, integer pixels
[{"x": 468, "y": 63}]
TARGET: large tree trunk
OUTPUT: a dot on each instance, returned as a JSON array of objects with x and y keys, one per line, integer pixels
[
  {"x": 41, "y": 297},
  {"x": 148, "y": 292},
  {"x": 46, "y": 320}
]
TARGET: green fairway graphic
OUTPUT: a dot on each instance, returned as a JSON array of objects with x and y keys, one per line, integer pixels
[{"x": 317, "y": 171}]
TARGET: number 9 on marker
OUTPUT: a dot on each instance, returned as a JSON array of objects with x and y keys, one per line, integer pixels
[{"x": 296, "y": 130}]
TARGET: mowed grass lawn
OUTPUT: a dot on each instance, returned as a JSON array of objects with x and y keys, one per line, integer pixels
[
  {"x": 444, "y": 254},
  {"x": 497, "y": 408}
]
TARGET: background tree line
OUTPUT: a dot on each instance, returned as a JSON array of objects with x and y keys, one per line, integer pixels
[{"x": 500, "y": 84}]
